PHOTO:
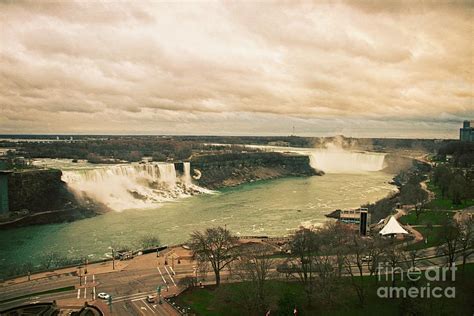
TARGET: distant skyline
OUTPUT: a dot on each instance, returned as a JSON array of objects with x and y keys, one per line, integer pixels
[{"x": 357, "y": 68}]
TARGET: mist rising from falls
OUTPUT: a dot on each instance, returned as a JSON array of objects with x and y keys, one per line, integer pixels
[
  {"x": 334, "y": 159},
  {"x": 130, "y": 186}
]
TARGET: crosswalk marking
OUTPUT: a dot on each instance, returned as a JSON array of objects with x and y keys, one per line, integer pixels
[
  {"x": 170, "y": 276},
  {"x": 171, "y": 268},
  {"x": 161, "y": 275}
]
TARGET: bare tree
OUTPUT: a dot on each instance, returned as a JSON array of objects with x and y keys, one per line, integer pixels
[
  {"x": 304, "y": 248},
  {"x": 255, "y": 266},
  {"x": 375, "y": 252},
  {"x": 149, "y": 241},
  {"x": 466, "y": 240},
  {"x": 393, "y": 257},
  {"x": 216, "y": 246},
  {"x": 354, "y": 261},
  {"x": 49, "y": 260},
  {"x": 336, "y": 236},
  {"x": 413, "y": 254},
  {"x": 450, "y": 235},
  {"x": 188, "y": 281}
]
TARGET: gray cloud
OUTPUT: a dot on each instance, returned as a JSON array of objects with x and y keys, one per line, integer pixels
[{"x": 236, "y": 67}]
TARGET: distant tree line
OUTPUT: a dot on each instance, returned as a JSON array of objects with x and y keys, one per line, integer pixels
[
  {"x": 462, "y": 153},
  {"x": 454, "y": 183},
  {"x": 99, "y": 150}
]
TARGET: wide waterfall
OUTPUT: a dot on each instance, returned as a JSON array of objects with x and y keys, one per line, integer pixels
[
  {"x": 129, "y": 186},
  {"x": 338, "y": 160}
]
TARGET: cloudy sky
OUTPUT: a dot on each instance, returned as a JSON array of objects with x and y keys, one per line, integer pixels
[{"x": 358, "y": 68}]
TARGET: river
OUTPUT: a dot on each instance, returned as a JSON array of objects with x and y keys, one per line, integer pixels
[{"x": 273, "y": 208}]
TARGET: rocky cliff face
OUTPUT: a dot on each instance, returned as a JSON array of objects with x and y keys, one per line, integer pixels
[
  {"x": 232, "y": 169},
  {"x": 35, "y": 190},
  {"x": 39, "y": 197}
]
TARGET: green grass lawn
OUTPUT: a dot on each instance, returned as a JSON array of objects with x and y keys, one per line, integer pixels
[
  {"x": 441, "y": 203},
  {"x": 433, "y": 236},
  {"x": 426, "y": 217},
  {"x": 225, "y": 299}
]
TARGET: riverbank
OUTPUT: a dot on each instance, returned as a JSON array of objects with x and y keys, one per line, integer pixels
[{"x": 271, "y": 207}]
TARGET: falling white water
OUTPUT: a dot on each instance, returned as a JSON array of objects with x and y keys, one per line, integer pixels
[
  {"x": 337, "y": 160},
  {"x": 130, "y": 186},
  {"x": 334, "y": 159},
  {"x": 187, "y": 174}
]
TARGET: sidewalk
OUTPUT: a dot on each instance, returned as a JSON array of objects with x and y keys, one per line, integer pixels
[{"x": 93, "y": 268}]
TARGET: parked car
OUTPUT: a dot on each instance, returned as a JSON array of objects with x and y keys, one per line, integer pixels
[{"x": 103, "y": 296}]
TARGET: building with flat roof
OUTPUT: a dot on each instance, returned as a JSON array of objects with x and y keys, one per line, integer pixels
[
  {"x": 359, "y": 217},
  {"x": 466, "y": 133}
]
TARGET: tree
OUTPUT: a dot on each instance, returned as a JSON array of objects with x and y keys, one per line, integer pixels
[
  {"x": 216, "y": 246},
  {"x": 304, "y": 247},
  {"x": 392, "y": 257},
  {"x": 450, "y": 235},
  {"x": 255, "y": 268},
  {"x": 49, "y": 260},
  {"x": 466, "y": 240},
  {"x": 413, "y": 194},
  {"x": 354, "y": 258},
  {"x": 442, "y": 176},
  {"x": 457, "y": 189},
  {"x": 188, "y": 281},
  {"x": 157, "y": 156},
  {"x": 149, "y": 241},
  {"x": 335, "y": 236},
  {"x": 375, "y": 251}
]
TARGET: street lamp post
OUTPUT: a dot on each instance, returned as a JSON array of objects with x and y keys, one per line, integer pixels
[{"x": 80, "y": 276}]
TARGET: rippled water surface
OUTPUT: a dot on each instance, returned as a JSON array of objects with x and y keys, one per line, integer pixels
[{"x": 265, "y": 208}]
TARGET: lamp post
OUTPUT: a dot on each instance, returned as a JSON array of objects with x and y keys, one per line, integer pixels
[
  {"x": 113, "y": 257},
  {"x": 80, "y": 276}
]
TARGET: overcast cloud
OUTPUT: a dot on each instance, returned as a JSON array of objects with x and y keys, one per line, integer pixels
[{"x": 359, "y": 69}]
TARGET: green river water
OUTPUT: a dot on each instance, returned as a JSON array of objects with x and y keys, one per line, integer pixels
[{"x": 272, "y": 208}]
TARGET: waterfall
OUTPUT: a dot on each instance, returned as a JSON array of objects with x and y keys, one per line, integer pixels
[
  {"x": 121, "y": 187},
  {"x": 167, "y": 174},
  {"x": 337, "y": 160},
  {"x": 187, "y": 173}
]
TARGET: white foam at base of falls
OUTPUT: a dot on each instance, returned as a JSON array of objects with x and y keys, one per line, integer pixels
[
  {"x": 337, "y": 160},
  {"x": 131, "y": 186}
]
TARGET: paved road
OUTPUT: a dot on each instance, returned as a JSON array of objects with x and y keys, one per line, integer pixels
[{"x": 130, "y": 285}]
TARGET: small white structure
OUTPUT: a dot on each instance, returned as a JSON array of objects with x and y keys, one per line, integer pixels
[{"x": 393, "y": 227}]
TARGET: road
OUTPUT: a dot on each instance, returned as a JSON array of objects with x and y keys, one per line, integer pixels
[
  {"x": 130, "y": 283},
  {"x": 128, "y": 286}
]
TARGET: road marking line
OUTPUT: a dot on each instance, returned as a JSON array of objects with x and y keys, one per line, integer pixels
[
  {"x": 174, "y": 273},
  {"x": 140, "y": 308},
  {"x": 148, "y": 307},
  {"x": 169, "y": 274},
  {"x": 85, "y": 293},
  {"x": 161, "y": 275},
  {"x": 131, "y": 297},
  {"x": 78, "y": 293},
  {"x": 85, "y": 280}
]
